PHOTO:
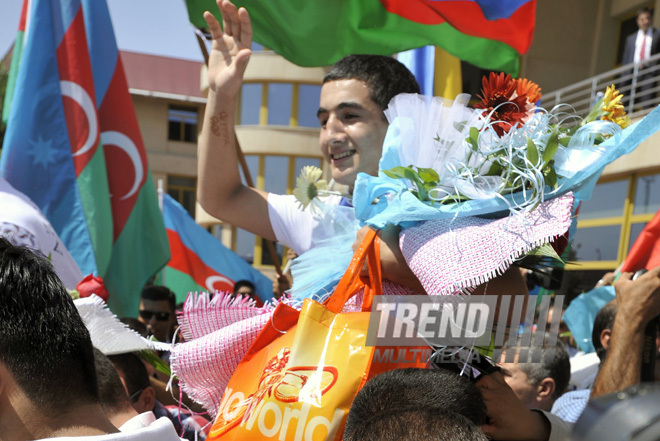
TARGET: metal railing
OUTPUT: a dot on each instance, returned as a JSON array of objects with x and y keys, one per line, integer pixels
[{"x": 638, "y": 82}]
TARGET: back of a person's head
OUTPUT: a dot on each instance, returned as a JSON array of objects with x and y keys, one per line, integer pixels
[
  {"x": 415, "y": 389},
  {"x": 112, "y": 394},
  {"x": 386, "y": 77},
  {"x": 159, "y": 293},
  {"x": 241, "y": 283},
  {"x": 418, "y": 425},
  {"x": 554, "y": 362},
  {"x": 604, "y": 320},
  {"x": 136, "y": 325},
  {"x": 132, "y": 371},
  {"x": 43, "y": 341}
]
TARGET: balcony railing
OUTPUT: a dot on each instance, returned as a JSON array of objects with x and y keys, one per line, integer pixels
[{"x": 638, "y": 82}]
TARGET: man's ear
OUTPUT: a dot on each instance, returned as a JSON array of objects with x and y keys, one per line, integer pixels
[
  {"x": 545, "y": 388},
  {"x": 146, "y": 400},
  {"x": 605, "y": 336}
]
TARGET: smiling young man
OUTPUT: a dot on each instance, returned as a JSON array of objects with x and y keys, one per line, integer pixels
[{"x": 354, "y": 94}]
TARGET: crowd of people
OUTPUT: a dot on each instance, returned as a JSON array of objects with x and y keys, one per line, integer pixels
[{"x": 55, "y": 385}]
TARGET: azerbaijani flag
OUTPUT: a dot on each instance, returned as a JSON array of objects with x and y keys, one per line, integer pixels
[
  {"x": 78, "y": 154},
  {"x": 200, "y": 262},
  {"x": 16, "y": 54},
  {"x": 645, "y": 252},
  {"x": 139, "y": 241},
  {"x": 489, "y": 34}
]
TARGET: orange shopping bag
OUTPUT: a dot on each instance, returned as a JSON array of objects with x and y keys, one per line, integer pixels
[{"x": 299, "y": 378}]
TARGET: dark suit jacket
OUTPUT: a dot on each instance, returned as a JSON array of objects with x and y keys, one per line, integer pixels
[{"x": 629, "y": 51}]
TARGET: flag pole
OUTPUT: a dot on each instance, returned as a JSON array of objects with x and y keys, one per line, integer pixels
[
  {"x": 161, "y": 192},
  {"x": 241, "y": 159}
]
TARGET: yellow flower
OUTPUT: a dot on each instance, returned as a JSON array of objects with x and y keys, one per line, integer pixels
[
  {"x": 612, "y": 108},
  {"x": 309, "y": 185}
]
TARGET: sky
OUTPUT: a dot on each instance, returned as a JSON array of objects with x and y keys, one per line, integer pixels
[{"x": 158, "y": 27}]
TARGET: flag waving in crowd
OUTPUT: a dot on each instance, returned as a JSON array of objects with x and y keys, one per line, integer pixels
[
  {"x": 645, "y": 252},
  {"x": 200, "y": 262},
  {"x": 73, "y": 146},
  {"x": 488, "y": 34}
]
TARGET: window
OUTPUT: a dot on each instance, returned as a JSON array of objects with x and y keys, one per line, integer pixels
[
  {"x": 183, "y": 190},
  {"x": 182, "y": 124},
  {"x": 308, "y": 104},
  {"x": 279, "y": 104},
  {"x": 250, "y": 103}
]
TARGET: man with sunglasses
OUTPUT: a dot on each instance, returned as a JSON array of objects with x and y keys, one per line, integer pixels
[{"x": 157, "y": 312}]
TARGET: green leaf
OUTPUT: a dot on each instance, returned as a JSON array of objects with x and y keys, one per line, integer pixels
[
  {"x": 545, "y": 250},
  {"x": 474, "y": 138},
  {"x": 564, "y": 141},
  {"x": 550, "y": 176},
  {"x": 532, "y": 152},
  {"x": 495, "y": 169},
  {"x": 460, "y": 125},
  {"x": 398, "y": 172},
  {"x": 154, "y": 360},
  {"x": 428, "y": 175},
  {"x": 551, "y": 147}
]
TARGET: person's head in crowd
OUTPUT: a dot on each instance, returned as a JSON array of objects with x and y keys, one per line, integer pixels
[
  {"x": 136, "y": 382},
  {"x": 563, "y": 327},
  {"x": 355, "y": 92},
  {"x": 136, "y": 325},
  {"x": 602, "y": 331},
  {"x": 419, "y": 425},
  {"x": 420, "y": 392},
  {"x": 157, "y": 311},
  {"x": 245, "y": 288},
  {"x": 644, "y": 17},
  {"x": 114, "y": 401},
  {"x": 47, "y": 373},
  {"x": 538, "y": 382}
]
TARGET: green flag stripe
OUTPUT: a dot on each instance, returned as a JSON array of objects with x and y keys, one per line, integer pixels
[
  {"x": 94, "y": 196},
  {"x": 138, "y": 253},
  {"x": 13, "y": 74},
  {"x": 180, "y": 283}
]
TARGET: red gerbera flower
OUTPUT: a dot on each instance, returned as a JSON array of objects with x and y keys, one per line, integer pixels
[{"x": 500, "y": 100}]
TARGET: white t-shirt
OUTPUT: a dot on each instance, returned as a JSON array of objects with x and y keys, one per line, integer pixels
[
  {"x": 22, "y": 223},
  {"x": 301, "y": 229}
]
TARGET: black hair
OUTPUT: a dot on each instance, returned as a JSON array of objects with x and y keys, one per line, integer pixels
[
  {"x": 241, "y": 283},
  {"x": 136, "y": 325},
  {"x": 418, "y": 425},
  {"x": 604, "y": 320},
  {"x": 43, "y": 341},
  {"x": 645, "y": 10},
  {"x": 413, "y": 391},
  {"x": 132, "y": 370},
  {"x": 386, "y": 77},
  {"x": 554, "y": 363},
  {"x": 159, "y": 293},
  {"x": 112, "y": 394}
]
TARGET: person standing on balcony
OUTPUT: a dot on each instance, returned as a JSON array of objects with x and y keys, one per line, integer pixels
[{"x": 640, "y": 46}]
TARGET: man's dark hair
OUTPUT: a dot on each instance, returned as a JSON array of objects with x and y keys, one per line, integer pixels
[
  {"x": 43, "y": 341},
  {"x": 136, "y": 325},
  {"x": 645, "y": 10},
  {"x": 413, "y": 391},
  {"x": 418, "y": 425},
  {"x": 554, "y": 363},
  {"x": 132, "y": 370},
  {"x": 159, "y": 293},
  {"x": 604, "y": 320},
  {"x": 385, "y": 76},
  {"x": 241, "y": 283},
  {"x": 112, "y": 395}
]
